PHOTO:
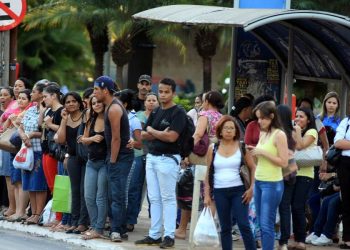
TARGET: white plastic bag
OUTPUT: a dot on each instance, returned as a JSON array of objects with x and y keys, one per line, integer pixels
[
  {"x": 47, "y": 214},
  {"x": 24, "y": 159},
  {"x": 205, "y": 233}
]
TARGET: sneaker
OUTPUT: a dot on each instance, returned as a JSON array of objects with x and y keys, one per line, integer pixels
[
  {"x": 235, "y": 235},
  {"x": 115, "y": 237},
  {"x": 149, "y": 241},
  {"x": 310, "y": 238},
  {"x": 167, "y": 242},
  {"x": 322, "y": 241}
]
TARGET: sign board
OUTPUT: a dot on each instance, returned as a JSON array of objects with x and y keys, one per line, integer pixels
[{"x": 12, "y": 13}]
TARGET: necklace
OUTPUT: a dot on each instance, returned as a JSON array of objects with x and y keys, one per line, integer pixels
[{"x": 76, "y": 119}]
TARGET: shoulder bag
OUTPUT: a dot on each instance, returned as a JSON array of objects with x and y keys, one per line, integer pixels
[
  {"x": 244, "y": 170},
  {"x": 5, "y": 143},
  {"x": 310, "y": 156}
]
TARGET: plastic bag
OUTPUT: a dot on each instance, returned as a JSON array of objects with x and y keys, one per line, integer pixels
[
  {"x": 205, "y": 233},
  {"x": 47, "y": 215},
  {"x": 24, "y": 159}
]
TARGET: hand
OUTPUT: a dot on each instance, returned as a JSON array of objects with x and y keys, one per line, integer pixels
[
  {"x": 64, "y": 114},
  {"x": 297, "y": 128},
  {"x": 79, "y": 139},
  {"x": 48, "y": 121},
  {"x": 257, "y": 152},
  {"x": 130, "y": 144},
  {"x": 184, "y": 163},
  {"x": 13, "y": 117},
  {"x": 97, "y": 138},
  {"x": 325, "y": 176},
  {"x": 247, "y": 196},
  {"x": 149, "y": 129},
  {"x": 27, "y": 143},
  {"x": 207, "y": 200}
]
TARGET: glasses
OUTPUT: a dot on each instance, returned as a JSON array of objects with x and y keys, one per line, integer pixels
[{"x": 228, "y": 128}]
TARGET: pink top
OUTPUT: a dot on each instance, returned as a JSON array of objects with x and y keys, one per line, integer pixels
[
  {"x": 213, "y": 117},
  {"x": 12, "y": 108}
]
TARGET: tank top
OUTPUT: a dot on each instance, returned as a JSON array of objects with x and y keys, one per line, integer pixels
[
  {"x": 96, "y": 151},
  {"x": 71, "y": 138},
  {"x": 265, "y": 169},
  {"x": 124, "y": 131}
]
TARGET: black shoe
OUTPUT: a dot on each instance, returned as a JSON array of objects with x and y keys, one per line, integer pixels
[
  {"x": 130, "y": 227},
  {"x": 344, "y": 246},
  {"x": 124, "y": 236},
  {"x": 167, "y": 242},
  {"x": 149, "y": 241}
]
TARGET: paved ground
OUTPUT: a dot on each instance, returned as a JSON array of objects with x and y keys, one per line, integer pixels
[{"x": 41, "y": 238}]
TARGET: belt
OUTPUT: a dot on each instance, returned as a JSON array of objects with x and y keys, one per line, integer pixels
[{"x": 168, "y": 155}]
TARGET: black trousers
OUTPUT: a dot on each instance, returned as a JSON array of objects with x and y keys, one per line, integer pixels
[
  {"x": 343, "y": 172},
  {"x": 76, "y": 171},
  {"x": 3, "y": 192}
]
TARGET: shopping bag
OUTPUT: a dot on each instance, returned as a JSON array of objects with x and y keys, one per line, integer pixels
[
  {"x": 24, "y": 159},
  {"x": 205, "y": 233},
  {"x": 62, "y": 194},
  {"x": 47, "y": 215}
]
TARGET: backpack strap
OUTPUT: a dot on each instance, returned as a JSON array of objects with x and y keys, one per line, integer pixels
[
  {"x": 243, "y": 152},
  {"x": 211, "y": 167}
]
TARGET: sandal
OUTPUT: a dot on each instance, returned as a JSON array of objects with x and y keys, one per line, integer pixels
[
  {"x": 80, "y": 229},
  {"x": 92, "y": 235}
]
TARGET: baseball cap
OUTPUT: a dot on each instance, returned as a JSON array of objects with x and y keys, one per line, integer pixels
[
  {"x": 146, "y": 78},
  {"x": 105, "y": 82}
]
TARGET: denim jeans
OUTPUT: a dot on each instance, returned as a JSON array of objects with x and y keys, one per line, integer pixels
[
  {"x": 314, "y": 203},
  {"x": 328, "y": 216},
  {"x": 76, "y": 172},
  {"x": 229, "y": 204},
  {"x": 161, "y": 175},
  {"x": 267, "y": 197},
  {"x": 285, "y": 212},
  {"x": 96, "y": 193},
  {"x": 117, "y": 180},
  {"x": 299, "y": 198},
  {"x": 136, "y": 179}
]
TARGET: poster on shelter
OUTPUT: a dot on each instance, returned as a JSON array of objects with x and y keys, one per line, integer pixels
[{"x": 258, "y": 71}]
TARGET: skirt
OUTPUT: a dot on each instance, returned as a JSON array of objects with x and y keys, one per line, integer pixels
[
  {"x": 5, "y": 166},
  {"x": 35, "y": 181}
]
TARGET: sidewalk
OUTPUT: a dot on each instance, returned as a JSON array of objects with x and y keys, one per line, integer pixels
[{"x": 141, "y": 229}]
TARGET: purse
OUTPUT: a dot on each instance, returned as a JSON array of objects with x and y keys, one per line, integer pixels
[
  {"x": 311, "y": 156},
  {"x": 5, "y": 143},
  {"x": 333, "y": 154},
  {"x": 244, "y": 170},
  {"x": 201, "y": 147},
  {"x": 81, "y": 149}
]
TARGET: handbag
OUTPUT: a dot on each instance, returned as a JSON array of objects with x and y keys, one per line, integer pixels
[
  {"x": 244, "y": 171},
  {"x": 16, "y": 140},
  {"x": 333, "y": 154},
  {"x": 184, "y": 189},
  {"x": 52, "y": 145},
  {"x": 60, "y": 153},
  {"x": 62, "y": 194},
  {"x": 311, "y": 156},
  {"x": 81, "y": 149},
  {"x": 24, "y": 159},
  {"x": 5, "y": 143},
  {"x": 201, "y": 147}
]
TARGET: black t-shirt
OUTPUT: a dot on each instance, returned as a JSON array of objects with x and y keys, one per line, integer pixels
[
  {"x": 138, "y": 104},
  {"x": 160, "y": 119},
  {"x": 56, "y": 116}
]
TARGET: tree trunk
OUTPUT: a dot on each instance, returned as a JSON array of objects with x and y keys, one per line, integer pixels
[
  {"x": 119, "y": 77},
  {"x": 206, "y": 74}
]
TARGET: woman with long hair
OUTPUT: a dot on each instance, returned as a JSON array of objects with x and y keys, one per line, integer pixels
[
  {"x": 34, "y": 181},
  {"x": 224, "y": 181},
  {"x": 67, "y": 135},
  {"x": 50, "y": 118},
  {"x": 271, "y": 153},
  {"x": 305, "y": 136},
  {"x": 285, "y": 116},
  {"x": 96, "y": 187}
]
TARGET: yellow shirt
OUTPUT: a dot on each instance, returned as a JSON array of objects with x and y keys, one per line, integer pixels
[
  {"x": 309, "y": 171},
  {"x": 265, "y": 169}
]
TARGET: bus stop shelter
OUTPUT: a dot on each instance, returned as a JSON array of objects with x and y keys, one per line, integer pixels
[{"x": 309, "y": 45}]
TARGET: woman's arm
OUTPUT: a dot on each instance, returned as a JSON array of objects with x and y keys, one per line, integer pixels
[
  {"x": 303, "y": 142},
  {"x": 248, "y": 194},
  {"x": 201, "y": 127},
  {"x": 62, "y": 129},
  {"x": 207, "y": 198}
]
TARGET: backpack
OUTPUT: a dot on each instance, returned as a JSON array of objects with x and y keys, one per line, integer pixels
[{"x": 185, "y": 140}]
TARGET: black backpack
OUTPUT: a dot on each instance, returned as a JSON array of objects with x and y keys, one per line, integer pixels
[{"x": 185, "y": 140}]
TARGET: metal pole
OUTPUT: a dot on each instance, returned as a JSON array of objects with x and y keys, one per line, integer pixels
[
  {"x": 344, "y": 98},
  {"x": 288, "y": 4},
  {"x": 13, "y": 56},
  {"x": 290, "y": 68},
  {"x": 4, "y": 58}
]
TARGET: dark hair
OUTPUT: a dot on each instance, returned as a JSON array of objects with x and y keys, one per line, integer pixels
[
  {"x": 250, "y": 96},
  {"x": 200, "y": 96},
  {"x": 53, "y": 89},
  {"x": 324, "y": 110},
  {"x": 285, "y": 115},
  {"x": 76, "y": 96},
  {"x": 310, "y": 116},
  {"x": 215, "y": 99},
  {"x": 88, "y": 92},
  {"x": 39, "y": 86},
  {"x": 263, "y": 98},
  {"x": 267, "y": 109},
  {"x": 242, "y": 103},
  {"x": 308, "y": 100},
  {"x": 220, "y": 125},
  {"x": 127, "y": 96},
  {"x": 10, "y": 90},
  {"x": 27, "y": 82},
  {"x": 26, "y": 92},
  {"x": 169, "y": 82},
  {"x": 151, "y": 93},
  {"x": 93, "y": 114}
]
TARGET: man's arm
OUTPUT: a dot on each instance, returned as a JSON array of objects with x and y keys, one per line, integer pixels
[
  {"x": 165, "y": 136},
  {"x": 114, "y": 115},
  {"x": 147, "y": 136}
]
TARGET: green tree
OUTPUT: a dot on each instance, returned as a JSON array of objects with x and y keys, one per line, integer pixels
[{"x": 339, "y": 6}]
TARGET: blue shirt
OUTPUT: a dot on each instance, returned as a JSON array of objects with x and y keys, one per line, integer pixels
[{"x": 332, "y": 122}]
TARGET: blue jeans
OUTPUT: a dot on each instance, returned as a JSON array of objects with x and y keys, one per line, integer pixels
[
  {"x": 328, "y": 217},
  {"x": 229, "y": 204},
  {"x": 161, "y": 174},
  {"x": 285, "y": 212},
  {"x": 96, "y": 193},
  {"x": 267, "y": 197},
  {"x": 299, "y": 198},
  {"x": 117, "y": 179},
  {"x": 136, "y": 179}
]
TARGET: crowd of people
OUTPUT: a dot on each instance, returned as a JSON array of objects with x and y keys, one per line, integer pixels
[{"x": 118, "y": 147}]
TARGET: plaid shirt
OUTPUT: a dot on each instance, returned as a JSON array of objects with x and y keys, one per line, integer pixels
[{"x": 30, "y": 123}]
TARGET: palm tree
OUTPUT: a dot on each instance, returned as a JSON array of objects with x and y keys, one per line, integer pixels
[{"x": 93, "y": 15}]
